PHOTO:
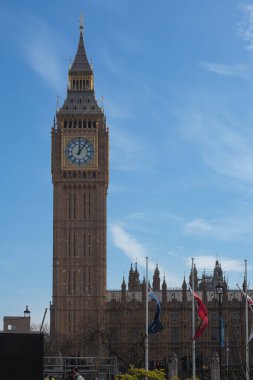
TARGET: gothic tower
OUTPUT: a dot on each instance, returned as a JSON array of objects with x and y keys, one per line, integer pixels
[{"x": 80, "y": 182}]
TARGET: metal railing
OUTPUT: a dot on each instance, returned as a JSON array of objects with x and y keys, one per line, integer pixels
[{"x": 95, "y": 368}]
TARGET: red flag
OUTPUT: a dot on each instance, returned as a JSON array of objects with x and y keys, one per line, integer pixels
[
  {"x": 202, "y": 314},
  {"x": 250, "y": 304}
]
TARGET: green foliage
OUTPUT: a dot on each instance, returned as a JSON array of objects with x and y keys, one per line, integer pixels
[{"x": 141, "y": 374}]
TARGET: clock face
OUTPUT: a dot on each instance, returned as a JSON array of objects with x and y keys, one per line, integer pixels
[{"x": 79, "y": 151}]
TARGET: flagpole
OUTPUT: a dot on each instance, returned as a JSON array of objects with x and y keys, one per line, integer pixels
[
  {"x": 193, "y": 326},
  {"x": 146, "y": 335},
  {"x": 246, "y": 323}
]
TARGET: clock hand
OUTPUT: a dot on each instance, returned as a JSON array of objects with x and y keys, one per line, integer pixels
[
  {"x": 79, "y": 150},
  {"x": 79, "y": 147}
]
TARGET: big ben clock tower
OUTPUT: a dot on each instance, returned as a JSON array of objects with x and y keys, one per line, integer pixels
[{"x": 80, "y": 182}]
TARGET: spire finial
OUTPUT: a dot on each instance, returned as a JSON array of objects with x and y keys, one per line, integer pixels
[
  {"x": 57, "y": 103},
  {"x": 81, "y": 21},
  {"x": 102, "y": 103}
]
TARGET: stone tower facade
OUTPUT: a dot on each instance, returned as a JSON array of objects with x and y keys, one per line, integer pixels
[
  {"x": 86, "y": 318},
  {"x": 80, "y": 182}
]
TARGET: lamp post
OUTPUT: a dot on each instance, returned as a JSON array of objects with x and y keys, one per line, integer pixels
[
  {"x": 219, "y": 291},
  {"x": 27, "y": 312}
]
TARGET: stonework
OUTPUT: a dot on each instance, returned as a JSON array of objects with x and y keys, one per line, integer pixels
[
  {"x": 80, "y": 181},
  {"x": 87, "y": 319}
]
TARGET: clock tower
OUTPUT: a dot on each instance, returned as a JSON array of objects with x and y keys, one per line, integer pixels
[{"x": 80, "y": 182}]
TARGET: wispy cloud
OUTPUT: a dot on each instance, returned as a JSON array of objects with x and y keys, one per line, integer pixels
[
  {"x": 245, "y": 29},
  {"x": 129, "y": 245},
  {"x": 224, "y": 146},
  {"x": 227, "y": 229},
  {"x": 42, "y": 48},
  {"x": 170, "y": 253},
  {"x": 135, "y": 250},
  {"x": 225, "y": 70},
  {"x": 199, "y": 227},
  {"x": 42, "y": 55}
]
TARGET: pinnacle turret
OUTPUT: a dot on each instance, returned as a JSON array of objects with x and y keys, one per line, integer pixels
[{"x": 156, "y": 279}]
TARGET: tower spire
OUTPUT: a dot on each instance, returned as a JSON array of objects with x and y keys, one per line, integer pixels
[{"x": 81, "y": 63}]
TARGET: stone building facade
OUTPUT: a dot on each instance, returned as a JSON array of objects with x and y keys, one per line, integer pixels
[
  {"x": 128, "y": 306},
  {"x": 86, "y": 318}
]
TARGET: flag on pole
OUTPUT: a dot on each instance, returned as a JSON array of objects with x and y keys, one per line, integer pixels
[
  {"x": 250, "y": 304},
  {"x": 156, "y": 325},
  {"x": 202, "y": 314}
]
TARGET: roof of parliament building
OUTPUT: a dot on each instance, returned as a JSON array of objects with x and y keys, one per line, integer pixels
[{"x": 206, "y": 284}]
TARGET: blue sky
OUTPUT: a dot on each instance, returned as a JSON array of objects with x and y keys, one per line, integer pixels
[{"x": 177, "y": 82}]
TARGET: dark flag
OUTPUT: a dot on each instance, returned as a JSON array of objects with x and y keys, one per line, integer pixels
[{"x": 156, "y": 325}]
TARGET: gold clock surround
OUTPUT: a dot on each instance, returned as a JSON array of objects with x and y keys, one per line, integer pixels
[{"x": 66, "y": 165}]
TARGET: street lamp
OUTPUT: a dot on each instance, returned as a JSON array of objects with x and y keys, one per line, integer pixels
[
  {"x": 27, "y": 312},
  {"x": 219, "y": 291}
]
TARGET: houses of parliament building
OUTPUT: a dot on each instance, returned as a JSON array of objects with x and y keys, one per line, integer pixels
[{"x": 86, "y": 319}]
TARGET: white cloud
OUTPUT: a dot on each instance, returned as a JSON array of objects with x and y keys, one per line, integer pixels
[
  {"x": 133, "y": 249},
  {"x": 170, "y": 253},
  {"x": 198, "y": 226},
  {"x": 224, "y": 146},
  {"x": 41, "y": 54},
  {"x": 225, "y": 70},
  {"x": 137, "y": 251},
  {"x": 228, "y": 229},
  {"x": 42, "y": 48},
  {"x": 246, "y": 26}
]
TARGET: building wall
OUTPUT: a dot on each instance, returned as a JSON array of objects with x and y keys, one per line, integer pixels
[
  {"x": 17, "y": 324},
  {"x": 127, "y": 328},
  {"x": 86, "y": 319}
]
